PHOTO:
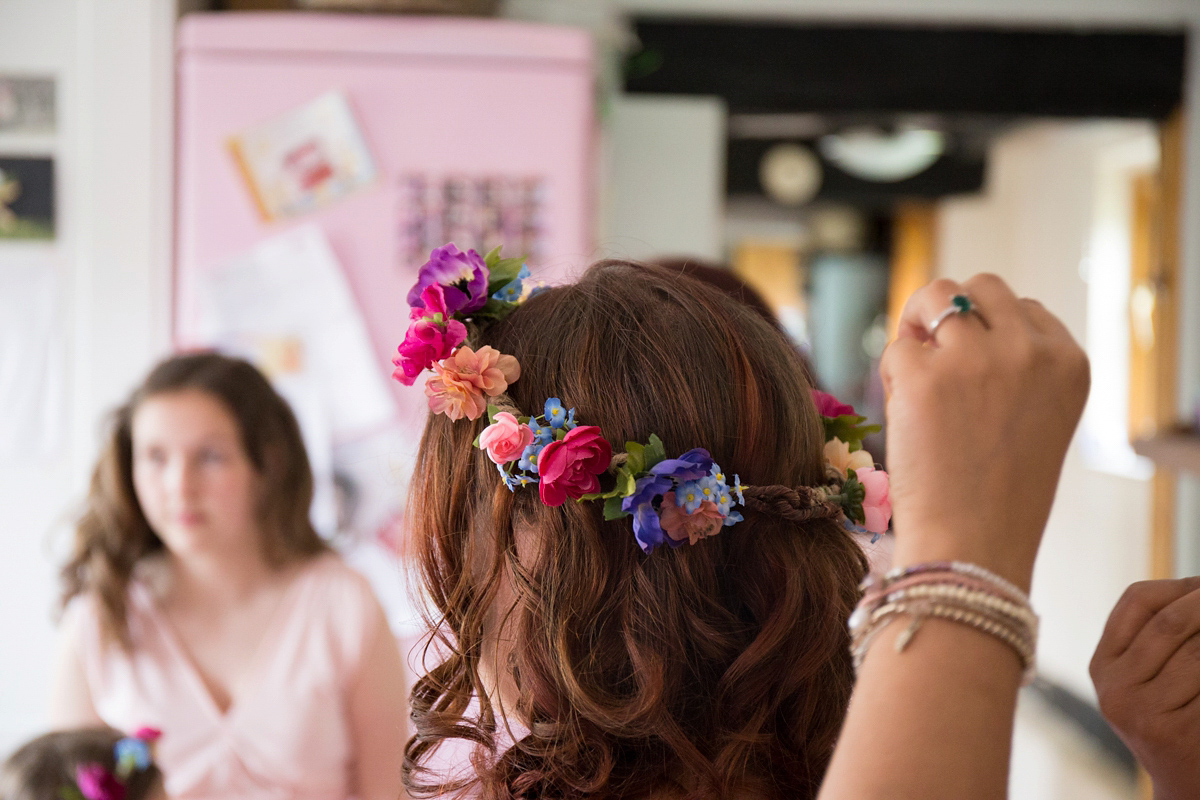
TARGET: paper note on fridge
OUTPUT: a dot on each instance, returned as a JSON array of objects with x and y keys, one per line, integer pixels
[
  {"x": 304, "y": 159},
  {"x": 285, "y": 305}
]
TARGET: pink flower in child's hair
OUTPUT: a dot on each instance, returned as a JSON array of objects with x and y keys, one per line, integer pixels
[
  {"x": 425, "y": 343},
  {"x": 571, "y": 466},
  {"x": 97, "y": 783},
  {"x": 830, "y": 406},
  {"x": 147, "y": 734},
  {"x": 707, "y": 520},
  {"x": 838, "y": 455},
  {"x": 462, "y": 380},
  {"x": 505, "y": 439},
  {"x": 877, "y": 506}
]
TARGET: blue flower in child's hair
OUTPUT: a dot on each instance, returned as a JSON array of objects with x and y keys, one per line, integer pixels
[
  {"x": 689, "y": 496},
  {"x": 709, "y": 488},
  {"x": 570, "y": 423},
  {"x": 733, "y": 518},
  {"x": 528, "y": 460},
  {"x": 131, "y": 754},
  {"x": 724, "y": 500},
  {"x": 511, "y": 292},
  {"x": 737, "y": 490},
  {"x": 509, "y": 480},
  {"x": 555, "y": 414},
  {"x": 543, "y": 434}
]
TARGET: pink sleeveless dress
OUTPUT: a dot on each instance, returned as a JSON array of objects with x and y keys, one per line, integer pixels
[{"x": 287, "y": 737}]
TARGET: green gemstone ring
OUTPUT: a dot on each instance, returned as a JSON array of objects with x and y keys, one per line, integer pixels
[{"x": 960, "y": 304}]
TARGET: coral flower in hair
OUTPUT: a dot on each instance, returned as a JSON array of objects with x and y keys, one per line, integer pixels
[
  {"x": 682, "y": 526},
  {"x": 462, "y": 380}
]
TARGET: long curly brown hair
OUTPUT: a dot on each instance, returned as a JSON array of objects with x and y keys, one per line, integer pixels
[
  {"x": 710, "y": 671},
  {"x": 113, "y": 535}
]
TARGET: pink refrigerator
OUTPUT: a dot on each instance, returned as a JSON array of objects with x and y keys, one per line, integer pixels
[{"x": 477, "y": 131}]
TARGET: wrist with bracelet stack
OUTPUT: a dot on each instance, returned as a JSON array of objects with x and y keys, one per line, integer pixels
[{"x": 953, "y": 590}]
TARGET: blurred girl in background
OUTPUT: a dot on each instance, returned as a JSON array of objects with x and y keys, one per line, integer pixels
[{"x": 200, "y": 601}]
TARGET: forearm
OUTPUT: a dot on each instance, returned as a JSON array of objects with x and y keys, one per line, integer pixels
[{"x": 932, "y": 722}]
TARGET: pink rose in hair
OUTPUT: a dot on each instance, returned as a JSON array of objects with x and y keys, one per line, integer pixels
[
  {"x": 830, "y": 406},
  {"x": 877, "y": 506},
  {"x": 707, "y": 520},
  {"x": 571, "y": 466},
  {"x": 462, "y": 380},
  {"x": 505, "y": 439},
  {"x": 97, "y": 783},
  {"x": 425, "y": 343}
]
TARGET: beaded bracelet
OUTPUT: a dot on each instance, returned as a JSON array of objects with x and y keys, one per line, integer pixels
[
  {"x": 958, "y": 567},
  {"x": 953, "y": 590}
]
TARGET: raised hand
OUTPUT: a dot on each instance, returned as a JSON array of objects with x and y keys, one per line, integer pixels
[
  {"x": 1147, "y": 675},
  {"x": 979, "y": 418}
]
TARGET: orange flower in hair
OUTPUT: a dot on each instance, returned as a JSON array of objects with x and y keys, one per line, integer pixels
[{"x": 463, "y": 380}]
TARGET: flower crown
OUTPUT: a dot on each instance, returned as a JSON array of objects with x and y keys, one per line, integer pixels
[
  {"x": 672, "y": 500},
  {"x": 94, "y": 782}
]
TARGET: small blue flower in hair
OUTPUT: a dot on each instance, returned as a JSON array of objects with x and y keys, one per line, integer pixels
[
  {"x": 554, "y": 413},
  {"x": 528, "y": 460}
]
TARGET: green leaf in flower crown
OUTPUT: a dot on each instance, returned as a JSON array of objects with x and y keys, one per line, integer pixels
[
  {"x": 850, "y": 429},
  {"x": 492, "y": 411},
  {"x": 504, "y": 272},
  {"x": 492, "y": 257},
  {"x": 654, "y": 452},
  {"x": 636, "y": 462},
  {"x": 853, "y": 494},
  {"x": 494, "y": 309},
  {"x": 613, "y": 510},
  {"x": 70, "y": 793}
]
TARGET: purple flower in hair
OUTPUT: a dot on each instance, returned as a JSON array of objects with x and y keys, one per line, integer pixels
[
  {"x": 647, "y": 528},
  {"x": 463, "y": 277}
]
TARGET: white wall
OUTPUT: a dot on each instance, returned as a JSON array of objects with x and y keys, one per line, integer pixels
[
  {"x": 1031, "y": 227},
  {"x": 665, "y": 191},
  {"x": 110, "y": 264}
]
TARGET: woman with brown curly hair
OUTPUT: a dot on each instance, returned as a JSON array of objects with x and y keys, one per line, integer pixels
[
  {"x": 702, "y": 651},
  {"x": 200, "y": 601},
  {"x": 576, "y": 664}
]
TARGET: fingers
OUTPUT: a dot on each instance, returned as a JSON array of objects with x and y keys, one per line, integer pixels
[
  {"x": 1178, "y": 682},
  {"x": 1162, "y": 636},
  {"x": 924, "y": 306},
  {"x": 1137, "y": 605},
  {"x": 996, "y": 302},
  {"x": 904, "y": 356}
]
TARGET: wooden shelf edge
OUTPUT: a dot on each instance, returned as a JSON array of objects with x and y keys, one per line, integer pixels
[{"x": 1176, "y": 449}]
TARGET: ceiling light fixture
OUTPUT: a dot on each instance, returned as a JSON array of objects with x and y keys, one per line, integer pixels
[{"x": 874, "y": 155}]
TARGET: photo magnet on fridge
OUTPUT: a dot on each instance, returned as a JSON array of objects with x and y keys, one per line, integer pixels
[{"x": 305, "y": 159}]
